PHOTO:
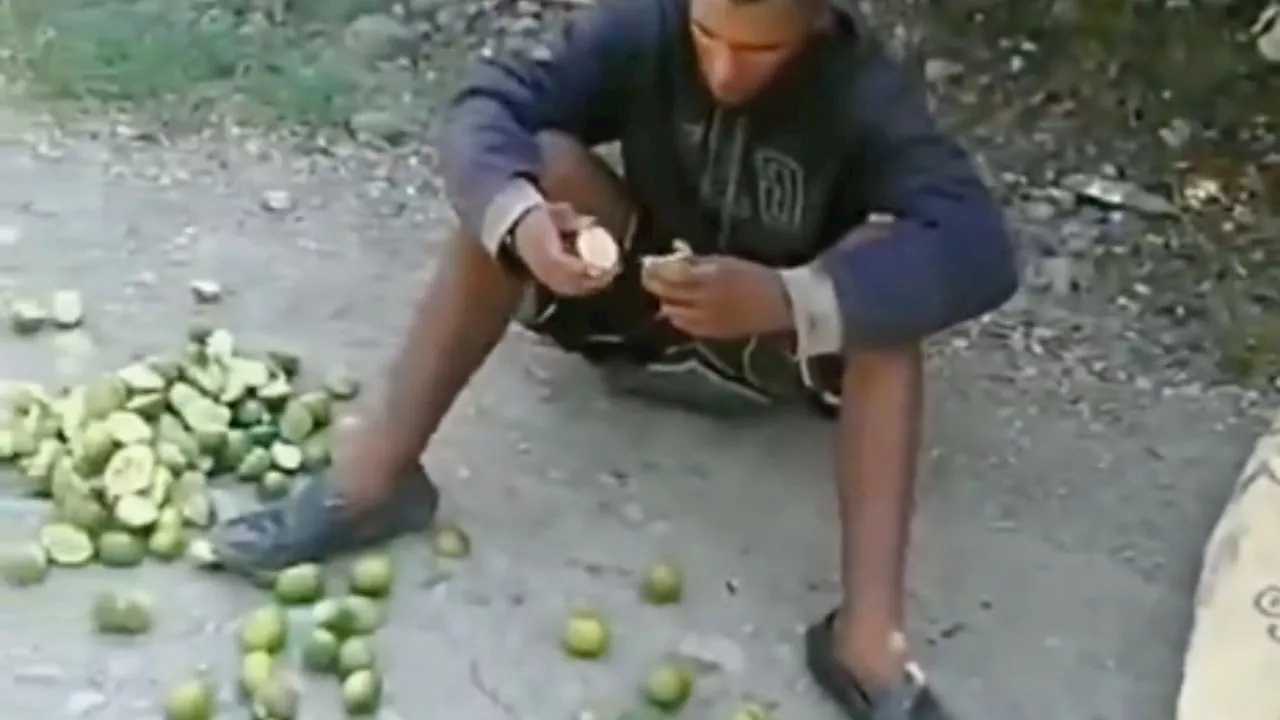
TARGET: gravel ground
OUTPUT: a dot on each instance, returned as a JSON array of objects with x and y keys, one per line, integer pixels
[{"x": 1063, "y": 511}]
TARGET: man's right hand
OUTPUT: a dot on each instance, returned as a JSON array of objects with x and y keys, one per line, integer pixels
[{"x": 543, "y": 240}]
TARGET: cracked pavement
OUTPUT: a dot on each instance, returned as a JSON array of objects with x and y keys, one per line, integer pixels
[{"x": 1055, "y": 548}]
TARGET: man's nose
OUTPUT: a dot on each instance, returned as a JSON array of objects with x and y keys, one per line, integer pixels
[{"x": 721, "y": 71}]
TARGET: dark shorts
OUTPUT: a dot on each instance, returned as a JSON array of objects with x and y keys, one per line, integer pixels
[{"x": 620, "y": 331}]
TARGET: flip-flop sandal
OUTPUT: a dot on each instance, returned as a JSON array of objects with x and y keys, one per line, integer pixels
[
  {"x": 310, "y": 525},
  {"x": 911, "y": 699}
]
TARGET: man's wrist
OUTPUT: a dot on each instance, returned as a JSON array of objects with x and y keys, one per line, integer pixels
[
  {"x": 815, "y": 310},
  {"x": 505, "y": 211}
]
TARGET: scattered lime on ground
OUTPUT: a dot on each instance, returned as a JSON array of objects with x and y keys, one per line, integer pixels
[
  {"x": 364, "y": 614},
  {"x": 586, "y": 635},
  {"x": 320, "y": 653},
  {"x": 167, "y": 543},
  {"x": 24, "y": 564},
  {"x": 334, "y": 615},
  {"x": 123, "y": 612},
  {"x": 663, "y": 583},
  {"x": 752, "y": 710},
  {"x": 120, "y": 549},
  {"x": 264, "y": 629},
  {"x": 356, "y": 653},
  {"x": 256, "y": 669},
  {"x": 277, "y": 697},
  {"x": 66, "y": 545},
  {"x": 191, "y": 700},
  {"x": 372, "y": 574},
  {"x": 451, "y": 542},
  {"x": 300, "y": 584},
  {"x": 668, "y": 686},
  {"x": 362, "y": 692}
]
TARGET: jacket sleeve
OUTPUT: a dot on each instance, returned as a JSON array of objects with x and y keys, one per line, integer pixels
[
  {"x": 488, "y": 146},
  {"x": 943, "y": 255}
]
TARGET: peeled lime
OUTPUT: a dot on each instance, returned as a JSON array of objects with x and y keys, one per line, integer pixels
[{"x": 586, "y": 635}]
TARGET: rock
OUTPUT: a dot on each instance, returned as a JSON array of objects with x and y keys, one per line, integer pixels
[
  {"x": 375, "y": 38},
  {"x": 1118, "y": 194},
  {"x": 277, "y": 201},
  {"x": 713, "y": 654},
  {"x": 206, "y": 291},
  {"x": 382, "y": 126}
]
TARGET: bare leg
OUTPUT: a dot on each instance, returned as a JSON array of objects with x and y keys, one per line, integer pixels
[
  {"x": 470, "y": 301},
  {"x": 381, "y": 491}
]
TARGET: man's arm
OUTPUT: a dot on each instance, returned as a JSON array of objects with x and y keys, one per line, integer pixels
[
  {"x": 940, "y": 258},
  {"x": 488, "y": 148}
]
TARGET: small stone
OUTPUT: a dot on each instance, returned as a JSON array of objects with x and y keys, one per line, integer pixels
[
  {"x": 379, "y": 126},
  {"x": 713, "y": 654},
  {"x": 83, "y": 703},
  {"x": 206, "y": 291},
  {"x": 376, "y": 38},
  {"x": 277, "y": 201}
]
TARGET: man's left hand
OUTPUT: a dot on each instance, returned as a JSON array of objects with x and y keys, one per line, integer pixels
[{"x": 720, "y": 297}]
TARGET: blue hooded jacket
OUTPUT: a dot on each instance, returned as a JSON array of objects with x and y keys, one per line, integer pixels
[{"x": 843, "y": 135}]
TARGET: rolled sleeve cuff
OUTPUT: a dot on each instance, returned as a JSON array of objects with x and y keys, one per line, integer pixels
[
  {"x": 815, "y": 311},
  {"x": 505, "y": 210}
]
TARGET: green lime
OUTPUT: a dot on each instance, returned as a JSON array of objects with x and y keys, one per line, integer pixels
[
  {"x": 366, "y": 614},
  {"x": 334, "y": 615},
  {"x": 300, "y": 584},
  {"x": 320, "y": 653},
  {"x": 167, "y": 543},
  {"x": 117, "y": 548},
  {"x": 264, "y": 629},
  {"x": 256, "y": 670},
  {"x": 24, "y": 565},
  {"x": 668, "y": 686},
  {"x": 361, "y": 692},
  {"x": 372, "y": 574},
  {"x": 752, "y": 710},
  {"x": 356, "y": 653},
  {"x": 586, "y": 635},
  {"x": 451, "y": 542},
  {"x": 274, "y": 485},
  {"x": 663, "y": 584},
  {"x": 192, "y": 700},
  {"x": 122, "y": 612},
  {"x": 276, "y": 698}
]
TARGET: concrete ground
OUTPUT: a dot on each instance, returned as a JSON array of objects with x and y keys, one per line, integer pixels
[{"x": 1057, "y": 541}]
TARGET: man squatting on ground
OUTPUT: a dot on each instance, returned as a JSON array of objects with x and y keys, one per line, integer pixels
[{"x": 834, "y": 228}]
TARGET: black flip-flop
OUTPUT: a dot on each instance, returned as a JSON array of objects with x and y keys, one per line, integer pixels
[
  {"x": 910, "y": 699},
  {"x": 311, "y": 525}
]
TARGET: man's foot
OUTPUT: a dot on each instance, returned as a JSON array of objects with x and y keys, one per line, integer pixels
[
  {"x": 312, "y": 524},
  {"x": 909, "y": 699}
]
